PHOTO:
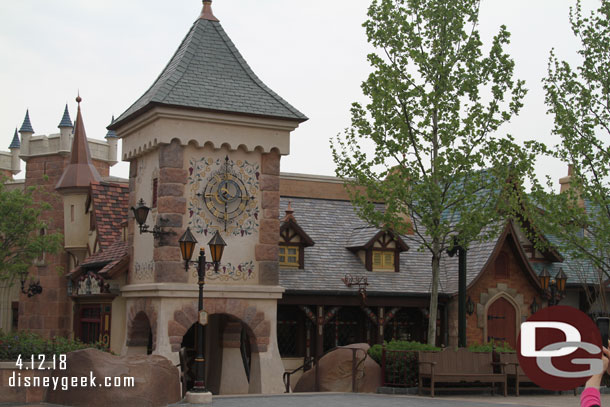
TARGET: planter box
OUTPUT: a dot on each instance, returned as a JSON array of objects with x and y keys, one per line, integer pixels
[{"x": 12, "y": 392}]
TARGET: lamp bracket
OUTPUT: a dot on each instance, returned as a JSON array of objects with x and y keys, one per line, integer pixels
[{"x": 362, "y": 282}]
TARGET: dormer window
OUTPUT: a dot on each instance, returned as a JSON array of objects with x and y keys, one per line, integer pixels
[
  {"x": 290, "y": 256},
  {"x": 383, "y": 259},
  {"x": 379, "y": 250},
  {"x": 293, "y": 241}
]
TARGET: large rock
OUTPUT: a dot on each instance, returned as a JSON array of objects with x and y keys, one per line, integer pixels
[
  {"x": 336, "y": 372},
  {"x": 156, "y": 380}
]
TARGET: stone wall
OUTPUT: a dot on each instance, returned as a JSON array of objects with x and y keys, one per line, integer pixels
[{"x": 266, "y": 251}]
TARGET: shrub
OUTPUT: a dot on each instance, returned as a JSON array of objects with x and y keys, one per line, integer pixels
[
  {"x": 401, "y": 367},
  {"x": 13, "y": 344},
  {"x": 503, "y": 347}
]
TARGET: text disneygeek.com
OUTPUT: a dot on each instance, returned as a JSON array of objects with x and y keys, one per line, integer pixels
[{"x": 66, "y": 382}]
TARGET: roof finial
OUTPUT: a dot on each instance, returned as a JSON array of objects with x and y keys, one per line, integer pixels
[
  {"x": 78, "y": 98},
  {"x": 289, "y": 212},
  {"x": 206, "y": 13}
]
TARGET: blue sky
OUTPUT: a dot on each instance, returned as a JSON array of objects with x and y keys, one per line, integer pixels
[{"x": 313, "y": 54}]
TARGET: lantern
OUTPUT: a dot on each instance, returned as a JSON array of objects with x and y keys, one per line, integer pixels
[
  {"x": 544, "y": 278},
  {"x": 217, "y": 246},
  {"x": 187, "y": 245}
]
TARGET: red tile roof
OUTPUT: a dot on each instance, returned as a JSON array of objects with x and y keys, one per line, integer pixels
[
  {"x": 110, "y": 209},
  {"x": 111, "y": 261}
]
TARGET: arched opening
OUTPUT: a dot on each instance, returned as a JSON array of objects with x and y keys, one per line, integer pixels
[
  {"x": 140, "y": 339},
  {"x": 227, "y": 353},
  {"x": 501, "y": 322}
]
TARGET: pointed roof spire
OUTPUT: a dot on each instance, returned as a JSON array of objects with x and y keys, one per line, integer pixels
[
  {"x": 207, "y": 13},
  {"x": 229, "y": 85},
  {"x": 111, "y": 133},
  {"x": 80, "y": 172},
  {"x": 15, "y": 143},
  {"x": 65, "y": 120},
  {"x": 26, "y": 127}
]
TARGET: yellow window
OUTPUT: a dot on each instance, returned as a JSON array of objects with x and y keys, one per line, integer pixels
[
  {"x": 289, "y": 256},
  {"x": 383, "y": 260}
]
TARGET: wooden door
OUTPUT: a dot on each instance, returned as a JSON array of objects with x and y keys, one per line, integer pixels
[{"x": 501, "y": 322}]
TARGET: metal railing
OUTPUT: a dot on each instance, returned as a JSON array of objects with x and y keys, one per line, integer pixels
[{"x": 398, "y": 368}]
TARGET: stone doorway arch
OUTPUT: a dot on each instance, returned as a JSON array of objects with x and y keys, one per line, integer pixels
[
  {"x": 141, "y": 328},
  {"x": 231, "y": 322},
  {"x": 502, "y": 318}
]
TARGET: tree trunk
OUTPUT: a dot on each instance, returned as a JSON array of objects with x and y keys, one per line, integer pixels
[{"x": 434, "y": 294}]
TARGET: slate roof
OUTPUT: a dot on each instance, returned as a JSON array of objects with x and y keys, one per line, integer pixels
[
  {"x": 208, "y": 72},
  {"x": 26, "y": 126},
  {"x": 65, "y": 119},
  {"x": 110, "y": 208},
  {"x": 15, "y": 143},
  {"x": 330, "y": 224}
]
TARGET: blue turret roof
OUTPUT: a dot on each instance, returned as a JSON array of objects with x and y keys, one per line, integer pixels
[
  {"x": 65, "y": 120},
  {"x": 15, "y": 143},
  {"x": 26, "y": 126},
  {"x": 111, "y": 133}
]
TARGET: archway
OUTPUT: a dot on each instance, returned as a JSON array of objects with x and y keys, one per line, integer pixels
[
  {"x": 501, "y": 322},
  {"x": 227, "y": 353},
  {"x": 141, "y": 327}
]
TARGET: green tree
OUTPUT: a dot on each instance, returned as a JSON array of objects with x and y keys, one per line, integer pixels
[
  {"x": 20, "y": 224},
  {"x": 579, "y": 101},
  {"x": 424, "y": 144}
]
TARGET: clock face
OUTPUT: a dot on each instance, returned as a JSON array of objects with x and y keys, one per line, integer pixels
[{"x": 225, "y": 196}]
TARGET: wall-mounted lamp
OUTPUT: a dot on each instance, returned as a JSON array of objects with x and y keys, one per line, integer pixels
[
  {"x": 469, "y": 306},
  {"x": 34, "y": 288},
  {"x": 535, "y": 306},
  {"x": 140, "y": 213}
]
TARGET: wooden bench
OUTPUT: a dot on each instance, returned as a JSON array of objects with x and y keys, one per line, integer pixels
[
  {"x": 457, "y": 366},
  {"x": 513, "y": 370}
]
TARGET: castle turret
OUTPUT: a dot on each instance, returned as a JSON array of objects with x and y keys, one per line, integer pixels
[
  {"x": 74, "y": 187},
  {"x": 15, "y": 148},
  {"x": 112, "y": 140},
  {"x": 65, "y": 129},
  {"x": 26, "y": 132}
]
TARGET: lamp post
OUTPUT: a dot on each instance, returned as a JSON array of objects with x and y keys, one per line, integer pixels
[
  {"x": 554, "y": 288},
  {"x": 187, "y": 246},
  {"x": 461, "y": 252}
]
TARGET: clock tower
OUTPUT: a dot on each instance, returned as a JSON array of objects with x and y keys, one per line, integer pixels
[{"x": 204, "y": 144}]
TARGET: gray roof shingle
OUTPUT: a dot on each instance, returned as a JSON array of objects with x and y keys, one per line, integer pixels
[
  {"x": 334, "y": 226},
  {"x": 208, "y": 72}
]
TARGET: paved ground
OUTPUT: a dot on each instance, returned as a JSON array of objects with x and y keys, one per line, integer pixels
[{"x": 378, "y": 400}]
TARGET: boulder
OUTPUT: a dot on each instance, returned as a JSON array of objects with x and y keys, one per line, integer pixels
[
  {"x": 156, "y": 380},
  {"x": 336, "y": 372}
]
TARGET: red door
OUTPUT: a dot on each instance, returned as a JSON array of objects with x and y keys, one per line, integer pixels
[{"x": 501, "y": 325}]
